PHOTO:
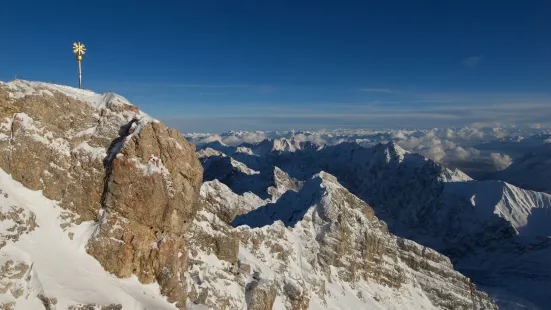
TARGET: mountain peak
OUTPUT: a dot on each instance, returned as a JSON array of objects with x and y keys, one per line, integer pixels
[
  {"x": 17, "y": 89},
  {"x": 327, "y": 230},
  {"x": 126, "y": 178}
]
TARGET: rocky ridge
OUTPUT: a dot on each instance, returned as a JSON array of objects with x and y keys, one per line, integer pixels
[{"x": 319, "y": 248}]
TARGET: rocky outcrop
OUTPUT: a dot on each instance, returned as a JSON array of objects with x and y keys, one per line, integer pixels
[
  {"x": 18, "y": 281},
  {"x": 282, "y": 183},
  {"x": 212, "y": 241},
  {"x": 17, "y": 221},
  {"x": 260, "y": 295},
  {"x": 106, "y": 161},
  {"x": 13, "y": 273}
]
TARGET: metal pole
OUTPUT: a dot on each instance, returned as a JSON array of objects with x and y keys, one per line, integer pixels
[
  {"x": 79, "y": 75},
  {"x": 79, "y": 49}
]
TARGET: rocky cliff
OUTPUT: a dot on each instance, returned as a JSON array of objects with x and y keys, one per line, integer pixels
[{"x": 105, "y": 161}]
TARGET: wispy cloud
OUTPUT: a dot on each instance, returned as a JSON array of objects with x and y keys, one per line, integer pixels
[
  {"x": 472, "y": 61},
  {"x": 376, "y": 90}
]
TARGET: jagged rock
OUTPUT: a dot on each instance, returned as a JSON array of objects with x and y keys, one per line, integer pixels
[
  {"x": 243, "y": 180},
  {"x": 235, "y": 174},
  {"x": 282, "y": 183},
  {"x": 105, "y": 160},
  {"x": 260, "y": 295},
  {"x": 225, "y": 244},
  {"x": 209, "y": 236},
  {"x": 297, "y": 294},
  {"x": 18, "y": 281},
  {"x": 156, "y": 171}
]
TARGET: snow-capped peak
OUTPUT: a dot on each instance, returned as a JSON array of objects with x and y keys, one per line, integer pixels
[
  {"x": 21, "y": 88},
  {"x": 286, "y": 145},
  {"x": 528, "y": 212}
]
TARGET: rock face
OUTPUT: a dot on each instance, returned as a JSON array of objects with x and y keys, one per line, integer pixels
[{"x": 106, "y": 161}]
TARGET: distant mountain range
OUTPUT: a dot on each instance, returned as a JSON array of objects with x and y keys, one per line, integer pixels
[{"x": 476, "y": 223}]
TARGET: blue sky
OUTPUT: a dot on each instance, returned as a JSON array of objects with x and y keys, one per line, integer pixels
[{"x": 220, "y": 65}]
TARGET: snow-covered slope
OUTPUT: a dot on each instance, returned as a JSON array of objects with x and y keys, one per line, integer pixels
[
  {"x": 43, "y": 258},
  {"x": 528, "y": 212}
]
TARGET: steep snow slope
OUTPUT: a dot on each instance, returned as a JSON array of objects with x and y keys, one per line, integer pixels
[
  {"x": 532, "y": 171},
  {"x": 50, "y": 262},
  {"x": 528, "y": 212}
]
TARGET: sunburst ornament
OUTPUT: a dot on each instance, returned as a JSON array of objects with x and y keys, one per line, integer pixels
[{"x": 79, "y": 49}]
